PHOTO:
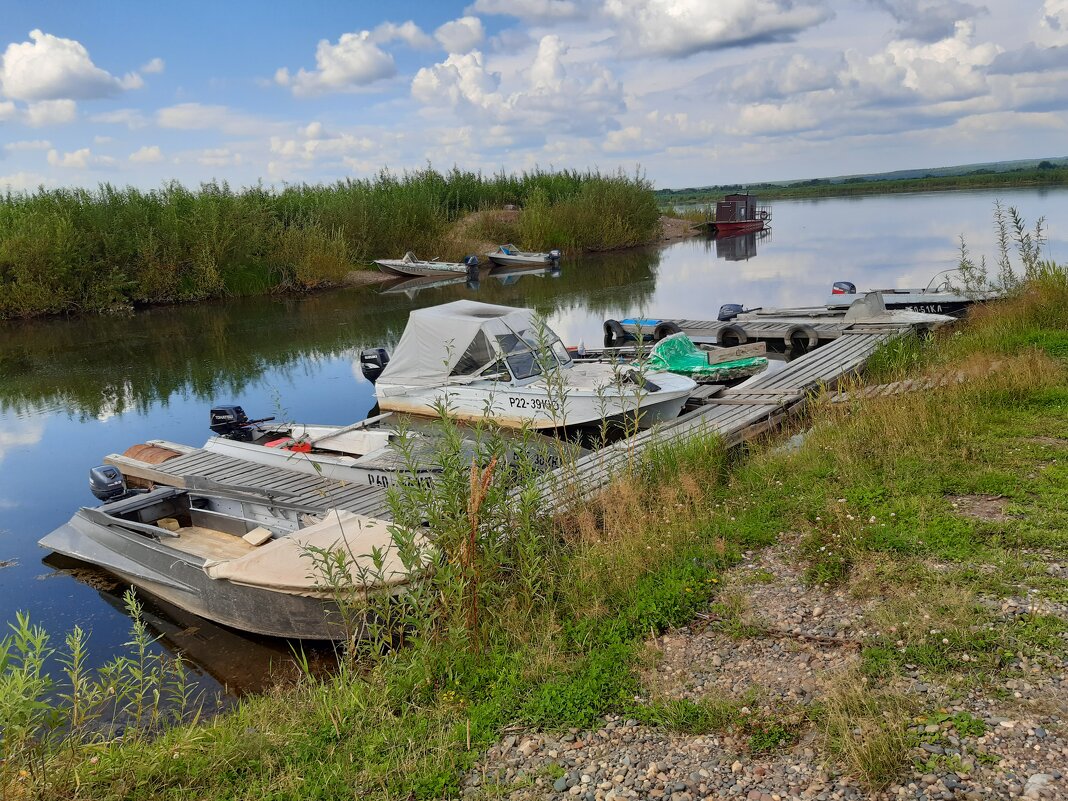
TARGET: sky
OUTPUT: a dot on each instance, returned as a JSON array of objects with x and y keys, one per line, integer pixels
[{"x": 692, "y": 92}]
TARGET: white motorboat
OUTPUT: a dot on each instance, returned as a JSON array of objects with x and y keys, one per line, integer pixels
[
  {"x": 478, "y": 361},
  {"x": 511, "y": 256},
  {"x": 411, "y": 265}
]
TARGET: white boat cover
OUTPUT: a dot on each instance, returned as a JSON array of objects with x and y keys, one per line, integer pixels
[
  {"x": 436, "y": 338},
  {"x": 283, "y": 564}
]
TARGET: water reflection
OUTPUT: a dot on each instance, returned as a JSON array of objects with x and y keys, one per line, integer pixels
[{"x": 741, "y": 247}]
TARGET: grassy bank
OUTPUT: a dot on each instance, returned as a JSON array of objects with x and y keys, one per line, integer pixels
[
  {"x": 70, "y": 250},
  {"x": 549, "y": 628},
  {"x": 825, "y": 187}
]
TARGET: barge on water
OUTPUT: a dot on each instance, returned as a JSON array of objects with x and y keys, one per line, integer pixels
[{"x": 738, "y": 214}]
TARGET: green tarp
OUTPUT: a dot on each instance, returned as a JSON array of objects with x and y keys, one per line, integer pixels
[{"x": 678, "y": 354}]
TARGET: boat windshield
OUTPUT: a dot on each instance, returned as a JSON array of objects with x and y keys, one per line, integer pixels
[{"x": 527, "y": 356}]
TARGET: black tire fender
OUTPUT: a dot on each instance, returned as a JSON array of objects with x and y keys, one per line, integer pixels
[
  {"x": 730, "y": 335},
  {"x": 801, "y": 339},
  {"x": 614, "y": 332},
  {"x": 664, "y": 330}
]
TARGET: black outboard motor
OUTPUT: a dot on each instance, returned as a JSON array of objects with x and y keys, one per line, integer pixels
[
  {"x": 728, "y": 311},
  {"x": 372, "y": 362},
  {"x": 555, "y": 255},
  {"x": 106, "y": 483},
  {"x": 844, "y": 288},
  {"x": 230, "y": 421}
]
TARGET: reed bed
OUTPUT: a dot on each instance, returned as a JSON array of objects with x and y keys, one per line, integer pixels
[{"x": 80, "y": 250}]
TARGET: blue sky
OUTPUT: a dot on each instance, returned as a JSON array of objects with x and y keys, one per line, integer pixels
[{"x": 693, "y": 91}]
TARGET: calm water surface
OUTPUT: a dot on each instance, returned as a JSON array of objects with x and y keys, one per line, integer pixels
[{"x": 72, "y": 391}]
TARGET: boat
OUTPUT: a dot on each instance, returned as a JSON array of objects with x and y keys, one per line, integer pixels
[
  {"x": 234, "y": 557},
  {"x": 380, "y": 451},
  {"x": 479, "y": 361},
  {"x": 938, "y": 297},
  {"x": 738, "y": 214},
  {"x": 511, "y": 256},
  {"x": 411, "y": 265}
]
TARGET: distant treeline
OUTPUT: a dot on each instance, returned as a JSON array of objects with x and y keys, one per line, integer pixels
[
  {"x": 78, "y": 250},
  {"x": 1045, "y": 174}
]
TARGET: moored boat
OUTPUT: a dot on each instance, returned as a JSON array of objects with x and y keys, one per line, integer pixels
[
  {"x": 480, "y": 361},
  {"x": 738, "y": 214},
  {"x": 235, "y": 557},
  {"x": 511, "y": 256},
  {"x": 411, "y": 265}
]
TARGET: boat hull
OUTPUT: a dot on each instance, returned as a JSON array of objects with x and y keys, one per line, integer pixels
[
  {"x": 724, "y": 229},
  {"x": 532, "y": 406},
  {"x": 539, "y": 260},
  {"x": 179, "y": 579},
  {"x": 421, "y": 269}
]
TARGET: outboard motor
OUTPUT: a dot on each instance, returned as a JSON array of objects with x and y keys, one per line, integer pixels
[
  {"x": 106, "y": 483},
  {"x": 372, "y": 362},
  {"x": 555, "y": 255},
  {"x": 844, "y": 288},
  {"x": 230, "y": 421},
  {"x": 728, "y": 311}
]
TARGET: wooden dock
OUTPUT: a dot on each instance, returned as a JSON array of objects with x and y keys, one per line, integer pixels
[{"x": 735, "y": 415}]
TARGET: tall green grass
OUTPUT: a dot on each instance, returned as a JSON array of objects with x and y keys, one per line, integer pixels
[{"x": 78, "y": 250}]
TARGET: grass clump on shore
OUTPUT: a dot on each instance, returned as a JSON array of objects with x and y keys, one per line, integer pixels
[{"x": 76, "y": 250}]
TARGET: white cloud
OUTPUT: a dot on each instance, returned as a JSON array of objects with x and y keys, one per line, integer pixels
[
  {"x": 129, "y": 117},
  {"x": 28, "y": 144},
  {"x": 356, "y": 61},
  {"x": 460, "y": 35},
  {"x": 770, "y": 119},
  {"x": 7, "y": 110},
  {"x": 21, "y": 182},
  {"x": 531, "y": 10},
  {"x": 153, "y": 67},
  {"x": 553, "y": 95},
  {"x": 200, "y": 117},
  {"x": 219, "y": 157},
  {"x": 21, "y": 434},
  {"x": 676, "y": 28},
  {"x": 928, "y": 20},
  {"x": 80, "y": 159},
  {"x": 148, "y": 154},
  {"x": 51, "y": 112},
  {"x": 407, "y": 32},
  {"x": 51, "y": 68},
  {"x": 786, "y": 77}
]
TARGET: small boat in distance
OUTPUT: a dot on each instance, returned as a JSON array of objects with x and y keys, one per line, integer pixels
[
  {"x": 511, "y": 256},
  {"x": 738, "y": 214},
  {"x": 480, "y": 361},
  {"x": 411, "y": 265}
]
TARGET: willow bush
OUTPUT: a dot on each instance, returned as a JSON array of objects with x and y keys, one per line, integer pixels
[{"x": 79, "y": 250}]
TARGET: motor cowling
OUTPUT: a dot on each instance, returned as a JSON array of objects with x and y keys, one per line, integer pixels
[
  {"x": 555, "y": 255},
  {"x": 728, "y": 311},
  {"x": 228, "y": 420},
  {"x": 844, "y": 288},
  {"x": 372, "y": 362},
  {"x": 106, "y": 483}
]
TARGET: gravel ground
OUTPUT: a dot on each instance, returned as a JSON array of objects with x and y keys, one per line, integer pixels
[{"x": 797, "y": 639}]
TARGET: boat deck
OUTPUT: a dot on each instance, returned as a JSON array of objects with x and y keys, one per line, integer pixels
[{"x": 313, "y": 491}]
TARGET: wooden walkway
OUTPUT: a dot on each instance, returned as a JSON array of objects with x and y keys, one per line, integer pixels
[
  {"x": 776, "y": 332},
  {"x": 735, "y": 415},
  {"x": 283, "y": 485}
]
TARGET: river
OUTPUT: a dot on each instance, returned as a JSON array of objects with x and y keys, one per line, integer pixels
[{"x": 72, "y": 391}]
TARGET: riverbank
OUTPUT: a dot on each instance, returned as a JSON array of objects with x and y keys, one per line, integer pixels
[
  {"x": 1053, "y": 176},
  {"x": 78, "y": 251},
  {"x": 901, "y": 564}
]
